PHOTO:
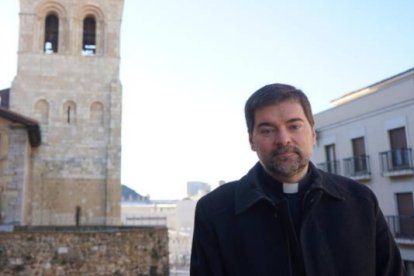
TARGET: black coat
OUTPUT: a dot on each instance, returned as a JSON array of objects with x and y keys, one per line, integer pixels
[{"x": 238, "y": 231}]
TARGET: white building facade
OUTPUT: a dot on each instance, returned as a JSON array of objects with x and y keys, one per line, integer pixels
[{"x": 368, "y": 136}]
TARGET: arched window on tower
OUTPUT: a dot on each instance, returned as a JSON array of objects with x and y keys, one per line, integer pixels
[
  {"x": 51, "y": 34},
  {"x": 96, "y": 114},
  {"x": 42, "y": 111},
  {"x": 89, "y": 36},
  {"x": 69, "y": 109}
]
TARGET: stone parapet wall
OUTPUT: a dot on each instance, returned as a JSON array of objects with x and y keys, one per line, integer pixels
[{"x": 84, "y": 251}]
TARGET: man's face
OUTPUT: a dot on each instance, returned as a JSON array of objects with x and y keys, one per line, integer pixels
[{"x": 283, "y": 139}]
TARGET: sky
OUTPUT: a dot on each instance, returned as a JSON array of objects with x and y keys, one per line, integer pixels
[{"x": 188, "y": 66}]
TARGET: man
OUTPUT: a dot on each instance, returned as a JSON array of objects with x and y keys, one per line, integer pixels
[{"x": 286, "y": 217}]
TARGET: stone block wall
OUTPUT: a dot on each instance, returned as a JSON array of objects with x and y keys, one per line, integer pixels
[
  {"x": 84, "y": 251},
  {"x": 77, "y": 99},
  {"x": 14, "y": 166}
]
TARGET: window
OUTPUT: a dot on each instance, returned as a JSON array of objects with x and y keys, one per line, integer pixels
[
  {"x": 331, "y": 162},
  {"x": 405, "y": 213},
  {"x": 69, "y": 109},
  {"x": 398, "y": 144},
  {"x": 409, "y": 267},
  {"x": 89, "y": 36},
  {"x": 51, "y": 34},
  {"x": 357, "y": 166},
  {"x": 42, "y": 111},
  {"x": 358, "y": 150},
  {"x": 96, "y": 114},
  {"x": 398, "y": 161},
  {"x": 397, "y": 138},
  {"x": 78, "y": 213}
]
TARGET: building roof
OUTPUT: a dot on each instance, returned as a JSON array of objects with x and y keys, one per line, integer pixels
[
  {"x": 32, "y": 126},
  {"x": 371, "y": 88}
]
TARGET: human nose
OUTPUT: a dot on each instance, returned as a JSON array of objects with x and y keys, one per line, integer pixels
[{"x": 282, "y": 137}]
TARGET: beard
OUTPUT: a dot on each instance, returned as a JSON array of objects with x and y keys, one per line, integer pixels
[{"x": 286, "y": 161}]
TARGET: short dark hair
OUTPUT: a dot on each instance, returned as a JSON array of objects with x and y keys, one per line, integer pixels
[{"x": 274, "y": 94}]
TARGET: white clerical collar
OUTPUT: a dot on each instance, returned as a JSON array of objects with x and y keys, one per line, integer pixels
[{"x": 290, "y": 188}]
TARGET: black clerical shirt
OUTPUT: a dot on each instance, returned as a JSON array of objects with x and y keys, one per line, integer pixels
[{"x": 290, "y": 213}]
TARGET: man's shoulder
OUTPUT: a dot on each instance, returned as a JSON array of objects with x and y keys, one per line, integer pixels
[
  {"x": 347, "y": 186},
  {"x": 221, "y": 197},
  {"x": 223, "y": 192}
]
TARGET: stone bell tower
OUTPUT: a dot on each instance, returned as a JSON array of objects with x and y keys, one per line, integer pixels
[{"x": 68, "y": 79}]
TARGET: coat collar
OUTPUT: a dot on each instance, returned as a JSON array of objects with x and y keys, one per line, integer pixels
[{"x": 249, "y": 190}]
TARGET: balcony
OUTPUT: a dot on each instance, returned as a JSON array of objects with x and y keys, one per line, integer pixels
[
  {"x": 330, "y": 166},
  {"x": 402, "y": 227},
  {"x": 397, "y": 162},
  {"x": 358, "y": 167}
]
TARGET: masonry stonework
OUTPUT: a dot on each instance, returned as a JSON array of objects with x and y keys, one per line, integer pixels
[
  {"x": 76, "y": 96},
  {"x": 84, "y": 251},
  {"x": 14, "y": 164}
]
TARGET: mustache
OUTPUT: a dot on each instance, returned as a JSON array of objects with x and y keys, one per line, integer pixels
[{"x": 286, "y": 149}]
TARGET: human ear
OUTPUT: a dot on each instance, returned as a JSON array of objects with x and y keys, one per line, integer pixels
[
  {"x": 314, "y": 136},
  {"x": 252, "y": 145}
]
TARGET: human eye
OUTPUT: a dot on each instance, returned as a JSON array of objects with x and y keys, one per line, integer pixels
[
  {"x": 295, "y": 126},
  {"x": 266, "y": 131}
]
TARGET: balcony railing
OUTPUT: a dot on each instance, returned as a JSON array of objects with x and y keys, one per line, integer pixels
[
  {"x": 330, "y": 166},
  {"x": 401, "y": 226},
  {"x": 358, "y": 167},
  {"x": 397, "y": 161}
]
